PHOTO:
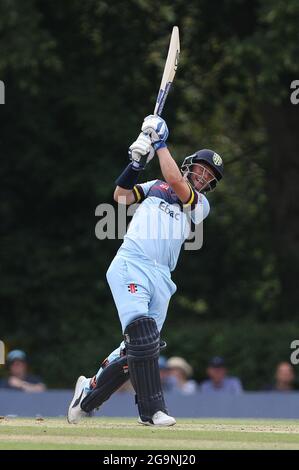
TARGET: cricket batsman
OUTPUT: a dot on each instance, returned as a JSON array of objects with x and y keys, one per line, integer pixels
[{"x": 140, "y": 274}]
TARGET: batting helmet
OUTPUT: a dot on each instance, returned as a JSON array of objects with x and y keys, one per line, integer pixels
[{"x": 211, "y": 158}]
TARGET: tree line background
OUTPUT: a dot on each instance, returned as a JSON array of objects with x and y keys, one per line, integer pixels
[{"x": 80, "y": 77}]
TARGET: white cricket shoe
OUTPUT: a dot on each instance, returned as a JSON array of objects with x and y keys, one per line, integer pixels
[
  {"x": 159, "y": 419},
  {"x": 75, "y": 412}
]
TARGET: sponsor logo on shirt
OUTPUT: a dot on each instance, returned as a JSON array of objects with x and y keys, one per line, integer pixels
[{"x": 166, "y": 208}]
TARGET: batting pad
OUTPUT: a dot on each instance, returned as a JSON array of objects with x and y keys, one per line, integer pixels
[
  {"x": 113, "y": 376},
  {"x": 142, "y": 340}
]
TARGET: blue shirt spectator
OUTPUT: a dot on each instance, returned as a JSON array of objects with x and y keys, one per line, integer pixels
[
  {"x": 218, "y": 380},
  {"x": 18, "y": 375}
]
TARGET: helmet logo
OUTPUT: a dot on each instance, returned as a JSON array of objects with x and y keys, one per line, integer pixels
[{"x": 217, "y": 159}]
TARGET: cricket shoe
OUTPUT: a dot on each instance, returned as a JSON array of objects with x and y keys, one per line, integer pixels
[
  {"x": 75, "y": 412},
  {"x": 159, "y": 419}
]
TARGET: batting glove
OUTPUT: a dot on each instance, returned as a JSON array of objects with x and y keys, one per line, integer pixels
[
  {"x": 141, "y": 152},
  {"x": 157, "y": 129}
]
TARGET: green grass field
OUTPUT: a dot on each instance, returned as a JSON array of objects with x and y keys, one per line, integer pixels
[{"x": 126, "y": 434}]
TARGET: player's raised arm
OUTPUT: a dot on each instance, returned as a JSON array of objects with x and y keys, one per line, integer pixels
[
  {"x": 174, "y": 177},
  {"x": 156, "y": 128},
  {"x": 140, "y": 153}
]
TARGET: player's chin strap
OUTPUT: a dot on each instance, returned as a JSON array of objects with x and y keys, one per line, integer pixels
[
  {"x": 112, "y": 377},
  {"x": 207, "y": 187}
]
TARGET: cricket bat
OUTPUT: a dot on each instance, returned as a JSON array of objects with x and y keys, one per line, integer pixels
[{"x": 169, "y": 70}]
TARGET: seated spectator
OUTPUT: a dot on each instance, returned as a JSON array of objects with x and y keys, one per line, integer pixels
[
  {"x": 180, "y": 371},
  {"x": 18, "y": 375},
  {"x": 168, "y": 382},
  {"x": 284, "y": 378},
  {"x": 218, "y": 380}
]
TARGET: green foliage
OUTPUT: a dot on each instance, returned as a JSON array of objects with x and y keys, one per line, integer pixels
[{"x": 80, "y": 76}]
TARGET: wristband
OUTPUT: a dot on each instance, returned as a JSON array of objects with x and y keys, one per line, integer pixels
[
  {"x": 128, "y": 178},
  {"x": 159, "y": 145}
]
